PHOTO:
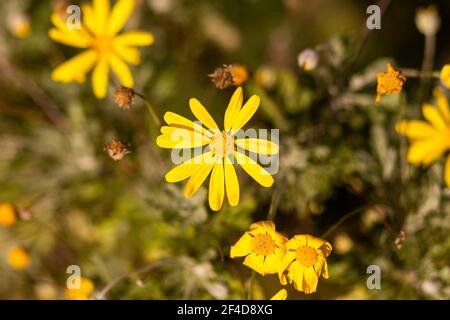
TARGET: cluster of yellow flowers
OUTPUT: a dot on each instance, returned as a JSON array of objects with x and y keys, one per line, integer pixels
[{"x": 300, "y": 260}]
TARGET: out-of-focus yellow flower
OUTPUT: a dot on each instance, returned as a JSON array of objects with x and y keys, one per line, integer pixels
[
  {"x": 429, "y": 139},
  {"x": 83, "y": 293},
  {"x": 19, "y": 25},
  {"x": 308, "y": 59},
  {"x": 18, "y": 258},
  {"x": 262, "y": 247},
  {"x": 182, "y": 133},
  {"x": 445, "y": 75},
  {"x": 391, "y": 81},
  {"x": 427, "y": 20},
  {"x": 7, "y": 214},
  {"x": 280, "y": 295},
  {"x": 304, "y": 262},
  {"x": 105, "y": 48}
]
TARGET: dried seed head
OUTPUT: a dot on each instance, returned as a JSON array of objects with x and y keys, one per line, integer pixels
[
  {"x": 228, "y": 75},
  {"x": 400, "y": 239},
  {"x": 117, "y": 149},
  {"x": 124, "y": 97}
]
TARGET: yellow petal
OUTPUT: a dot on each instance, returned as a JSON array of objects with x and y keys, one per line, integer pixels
[
  {"x": 200, "y": 112},
  {"x": 259, "y": 146},
  {"x": 76, "y": 68},
  {"x": 246, "y": 113},
  {"x": 443, "y": 104},
  {"x": 174, "y": 119},
  {"x": 234, "y": 106},
  {"x": 242, "y": 247},
  {"x": 415, "y": 129},
  {"x": 134, "y": 38},
  {"x": 296, "y": 274},
  {"x": 255, "y": 262},
  {"x": 122, "y": 71},
  {"x": 434, "y": 117},
  {"x": 325, "y": 273},
  {"x": 119, "y": 15},
  {"x": 254, "y": 170},
  {"x": 447, "y": 172},
  {"x": 266, "y": 226},
  {"x": 280, "y": 295},
  {"x": 272, "y": 262},
  {"x": 196, "y": 180},
  {"x": 89, "y": 19},
  {"x": 231, "y": 183},
  {"x": 216, "y": 187},
  {"x": 101, "y": 13},
  {"x": 129, "y": 55},
  {"x": 311, "y": 280},
  {"x": 100, "y": 78}
]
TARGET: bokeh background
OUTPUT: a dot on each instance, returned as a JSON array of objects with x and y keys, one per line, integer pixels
[{"x": 339, "y": 153}]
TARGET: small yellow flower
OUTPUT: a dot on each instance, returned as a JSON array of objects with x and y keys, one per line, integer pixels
[
  {"x": 226, "y": 76},
  {"x": 83, "y": 293},
  {"x": 7, "y": 214},
  {"x": 304, "y": 262},
  {"x": 391, "y": 81},
  {"x": 18, "y": 258},
  {"x": 429, "y": 140},
  {"x": 262, "y": 247},
  {"x": 182, "y": 133},
  {"x": 445, "y": 75},
  {"x": 105, "y": 48},
  {"x": 280, "y": 295}
]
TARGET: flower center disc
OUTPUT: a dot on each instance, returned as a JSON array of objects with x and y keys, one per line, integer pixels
[
  {"x": 222, "y": 144},
  {"x": 263, "y": 244},
  {"x": 307, "y": 256}
]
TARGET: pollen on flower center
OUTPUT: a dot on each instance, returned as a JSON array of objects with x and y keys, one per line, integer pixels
[
  {"x": 103, "y": 44},
  {"x": 306, "y": 256},
  {"x": 263, "y": 244},
  {"x": 222, "y": 144}
]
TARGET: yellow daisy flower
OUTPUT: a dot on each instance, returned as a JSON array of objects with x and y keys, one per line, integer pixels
[
  {"x": 262, "y": 247},
  {"x": 18, "y": 258},
  {"x": 280, "y": 295},
  {"x": 445, "y": 75},
  {"x": 429, "y": 140},
  {"x": 105, "y": 48},
  {"x": 304, "y": 262},
  {"x": 83, "y": 293},
  {"x": 389, "y": 82},
  {"x": 7, "y": 214},
  {"x": 220, "y": 152}
]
